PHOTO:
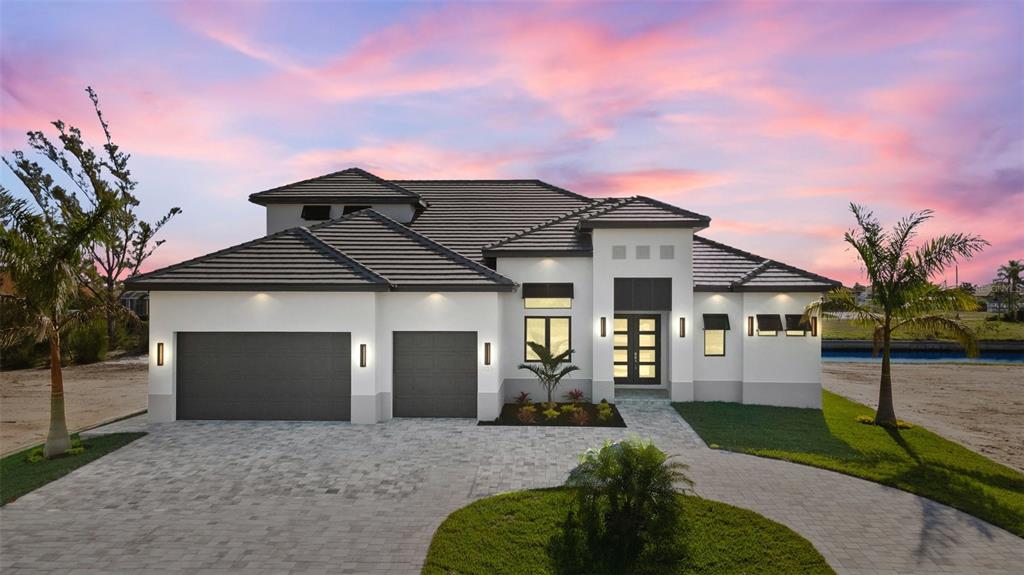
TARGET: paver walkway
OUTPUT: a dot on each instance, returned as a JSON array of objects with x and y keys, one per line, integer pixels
[{"x": 275, "y": 497}]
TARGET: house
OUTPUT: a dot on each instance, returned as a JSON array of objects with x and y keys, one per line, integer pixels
[
  {"x": 136, "y": 302},
  {"x": 994, "y": 297},
  {"x": 370, "y": 299}
]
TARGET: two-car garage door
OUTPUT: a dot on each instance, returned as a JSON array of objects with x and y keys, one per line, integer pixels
[{"x": 307, "y": 376}]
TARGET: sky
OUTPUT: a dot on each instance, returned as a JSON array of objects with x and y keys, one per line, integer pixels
[{"x": 768, "y": 117}]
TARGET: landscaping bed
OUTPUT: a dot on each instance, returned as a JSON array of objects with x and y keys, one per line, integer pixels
[
  {"x": 513, "y": 533},
  {"x": 914, "y": 460},
  {"x": 572, "y": 414},
  {"x": 26, "y": 471}
]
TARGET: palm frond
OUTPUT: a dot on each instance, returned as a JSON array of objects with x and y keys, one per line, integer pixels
[
  {"x": 957, "y": 329},
  {"x": 842, "y": 301}
]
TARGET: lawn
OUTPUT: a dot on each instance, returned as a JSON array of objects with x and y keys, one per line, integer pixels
[
  {"x": 512, "y": 534},
  {"x": 914, "y": 460},
  {"x": 986, "y": 330},
  {"x": 19, "y": 476}
]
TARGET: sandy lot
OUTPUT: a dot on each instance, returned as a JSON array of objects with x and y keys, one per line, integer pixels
[
  {"x": 93, "y": 394},
  {"x": 978, "y": 406}
]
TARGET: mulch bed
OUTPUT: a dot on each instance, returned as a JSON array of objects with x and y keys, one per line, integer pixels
[{"x": 510, "y": 412}]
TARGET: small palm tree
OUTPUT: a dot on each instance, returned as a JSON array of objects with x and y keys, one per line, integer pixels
[
  {"x": 902, "y": 294},
  {"x": 549, "y": 369},
  {"x": 1009, "y": 276}
]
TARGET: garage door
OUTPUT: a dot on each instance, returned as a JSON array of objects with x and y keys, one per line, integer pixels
[
  {"x": 264, "y": 375},
  {"x": 435, "y": 374}
]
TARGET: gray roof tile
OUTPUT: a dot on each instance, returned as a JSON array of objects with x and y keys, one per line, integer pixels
[
  {"x": 346, "y": 186},
  {"x": 641, "y": 211}
]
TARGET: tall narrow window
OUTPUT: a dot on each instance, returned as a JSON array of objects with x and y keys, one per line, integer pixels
[
  {"x": 554, "y": 333},
  {"x": 715, "y": 326}
]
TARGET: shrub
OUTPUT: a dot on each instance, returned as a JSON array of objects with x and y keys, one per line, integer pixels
[
  {"x": 551, "y": 413},
  {"x": 579, "y": 417},
  {"x": 627, "y": 502},
  {"x": 523, "y": 398},
  {"x": 527, "y": 414},
  {"x": 568, "y": 408},
  {"x": 88, "y": 342},
  {"x": 574, "y": 395},
  {"x": 604, "y": 411}
]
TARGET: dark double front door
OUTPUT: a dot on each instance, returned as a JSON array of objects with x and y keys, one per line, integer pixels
[{"x": 637, "y": 353}]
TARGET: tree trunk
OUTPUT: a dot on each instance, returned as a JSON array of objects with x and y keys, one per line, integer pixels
[
  {"x": 108, "y": 313},
  {"x": 886, "y": 414},
  {"x": 57, "y": 441}
]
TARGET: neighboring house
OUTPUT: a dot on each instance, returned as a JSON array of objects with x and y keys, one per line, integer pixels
[
  {"x": 993, "y": 296},
  {"x": 137, "y": 302},
  {"x": 372, "y": 299}
]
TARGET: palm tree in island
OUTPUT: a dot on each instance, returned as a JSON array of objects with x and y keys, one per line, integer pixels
[
  {"x": 899, "y": 272},
  {"x": 1009, "y": 276}
]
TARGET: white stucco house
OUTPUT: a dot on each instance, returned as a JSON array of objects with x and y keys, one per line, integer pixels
[{"x": 371, "y": 299}]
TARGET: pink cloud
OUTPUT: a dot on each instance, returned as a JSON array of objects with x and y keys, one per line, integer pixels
[{"x": 660, "y": 183}]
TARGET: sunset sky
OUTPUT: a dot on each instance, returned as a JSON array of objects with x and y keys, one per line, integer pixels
[{"x": 770, "y": 118}]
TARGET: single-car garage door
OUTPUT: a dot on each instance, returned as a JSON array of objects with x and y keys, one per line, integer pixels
[
  {"x": 435, "y": 374},
  {"x": 264, "y": 375}
]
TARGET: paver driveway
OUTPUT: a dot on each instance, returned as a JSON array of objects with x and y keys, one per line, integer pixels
[{"x": 325, "y": 497}]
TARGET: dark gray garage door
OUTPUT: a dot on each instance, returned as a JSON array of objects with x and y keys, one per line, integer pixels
[
  {"x": 435, "y": 374},
  {"x": 264, "y": 375}
]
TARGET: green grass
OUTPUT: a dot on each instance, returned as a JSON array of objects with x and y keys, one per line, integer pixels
[
  {"x": 19, "y": 475},
  {"x": 986, "y": 330},
  {"x": 512, "y": 534},
  {"x": 914, "y": 460}
]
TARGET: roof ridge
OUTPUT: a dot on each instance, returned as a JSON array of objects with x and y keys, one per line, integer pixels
[
  {"x": 437, "y": 246},
  {"x": 355, "y": 170},
  {"x": 337, "y": 255},
  {"x": 727, "y": 247},
  {"x": 764, "y": 261},
  {"x": 670, "y": 207},
  {"x": 758, "y": 270},
  {"x": 537, "y": 181},
  {"x": 548, "y": 223},
  {"x": 220, "y": 252},
  {"x": 382, "y": 181},
  {"x": 612, "y": 206}
]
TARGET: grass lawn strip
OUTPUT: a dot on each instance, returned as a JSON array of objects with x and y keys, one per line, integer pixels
[
  {"x": 19, "y": 476},
  {"x": 510, "y": 534},
  {"x": 914, "y": 460},
  {"x": 986, "y": 330}
]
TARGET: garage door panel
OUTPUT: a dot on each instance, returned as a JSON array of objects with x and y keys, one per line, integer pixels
[
  {"x": 264, "y": 375},
  {"x": 435, "y": 374}
]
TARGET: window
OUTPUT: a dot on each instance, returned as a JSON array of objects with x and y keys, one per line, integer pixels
[
  {"x": 667, "y": 252},
  {"x": 795, "y": 326},
  {"x": 352, "y": 209},
  {"x": 714, "y": 342},
  {"x": 769, "y": 324},
  {"x": 643, "y": 252},
  {"x": 547, "y": 295},
  {"x": 316, "y": 213},
  {"x": 618, "y": 252},
  {"x": 715, "y": 326},
  {"x": 551, "y": 332}
]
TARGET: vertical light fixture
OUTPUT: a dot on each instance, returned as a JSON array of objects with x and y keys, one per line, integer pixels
[
  {"x": 362, "y": 355},
  {"x": 160, "y": 353},
  {"x": 682, "y": 327},
  {"x": 604, "y": 327},
  {"x": 750, "y": 325},
  {"x": 814, "y": 327},
  {"x": 487, "y": 353}
]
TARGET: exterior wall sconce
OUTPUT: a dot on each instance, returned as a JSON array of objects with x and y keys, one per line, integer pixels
[
  {"x": 604, "y": 327},
  {"x": 160, "y": 353},
  {"x": 487, "y": 353},
  {"x": 682, "y": 327},
  {"x": 362, "y": 355},
  {"x": 814, "y": 327},
  {"x": 750, "y": 325}
]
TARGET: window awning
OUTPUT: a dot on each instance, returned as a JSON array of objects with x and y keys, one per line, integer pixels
[
  {"x": 795, "y": 322},
  {"x": 769, "y": 322},
  {"x": 547, "y": 290},
  {"x": 716, "y": 321}
]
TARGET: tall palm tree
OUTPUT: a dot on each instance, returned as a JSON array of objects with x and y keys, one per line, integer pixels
[
  {"x": 42, "y": 249},
  {"x": 1009, "y": 275},
  {"x": 902, "y": 293}
]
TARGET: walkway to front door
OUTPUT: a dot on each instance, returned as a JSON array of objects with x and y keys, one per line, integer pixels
[{"x": 637, "y": 349}]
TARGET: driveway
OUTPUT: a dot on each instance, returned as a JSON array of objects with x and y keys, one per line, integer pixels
[{"x": 270, "y": 497}]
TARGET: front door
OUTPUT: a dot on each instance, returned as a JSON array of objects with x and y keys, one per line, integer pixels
[{"x": 637, "y": 355}]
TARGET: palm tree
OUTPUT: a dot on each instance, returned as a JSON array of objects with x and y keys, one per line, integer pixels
[
  {"x": 902, "y": 294},
  {"x": 1009, "y": 275},
  {"x": 548, "y": 369}
]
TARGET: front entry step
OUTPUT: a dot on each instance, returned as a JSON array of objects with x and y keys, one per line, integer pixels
[{"x": 646, "y": 395}]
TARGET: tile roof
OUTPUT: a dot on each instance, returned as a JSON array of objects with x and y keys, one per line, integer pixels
[
  {"x": 718, "y": 267},
  {"x": 558, "y": 235},
  {"x": 641, "y": 211},
  {"x": 288, "y": 260},
  {"x": 363, "y": 251},
  {"x": 466, "y": 215},
  {"x": 351, "y": 185}
]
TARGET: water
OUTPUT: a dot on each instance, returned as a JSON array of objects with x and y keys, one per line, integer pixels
[{"x": 925, "y": 356}]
